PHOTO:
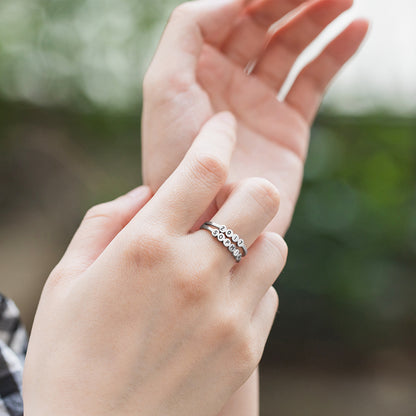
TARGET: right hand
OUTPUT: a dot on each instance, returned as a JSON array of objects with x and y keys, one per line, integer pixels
[{"x": 157, "y": 319}]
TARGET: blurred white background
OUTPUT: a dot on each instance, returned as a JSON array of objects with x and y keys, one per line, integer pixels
[{"x": 383, "y": 74}]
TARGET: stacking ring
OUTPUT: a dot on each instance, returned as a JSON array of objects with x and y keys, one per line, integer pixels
[{"x": 228, "y": 238}]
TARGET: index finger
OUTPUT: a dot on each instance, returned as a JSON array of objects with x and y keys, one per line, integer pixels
[{"x": 191, "y": 188}]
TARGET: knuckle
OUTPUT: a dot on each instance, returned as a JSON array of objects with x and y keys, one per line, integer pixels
[
  {"x": 264, "y": 193},
  {"x": 191, "y": 289},
  {"x": 247, "y": 354},
  {"x": 210, "y": 169},
  {"x": 227, "y": 326},
  {"x": 148, "y": 248}
]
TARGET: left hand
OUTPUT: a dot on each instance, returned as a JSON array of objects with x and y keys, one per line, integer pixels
[{"x": 199, "y": 70}]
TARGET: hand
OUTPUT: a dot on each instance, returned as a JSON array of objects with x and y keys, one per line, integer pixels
[
  {"x": 142, "y": 316},
  {"x": 199, "y": 70}
]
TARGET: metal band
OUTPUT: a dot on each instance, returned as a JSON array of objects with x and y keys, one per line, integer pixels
[
  {"x": 222, "y": 238},
  {"x": 231, "y": 235}
]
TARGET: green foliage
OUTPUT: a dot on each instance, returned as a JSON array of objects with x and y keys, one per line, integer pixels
[
  {"x": 353, "y": 240},
  {"x": 82, "y": 53}
]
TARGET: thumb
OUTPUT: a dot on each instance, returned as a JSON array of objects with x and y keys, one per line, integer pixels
[
  {"x": 99, "y": 227},
  {"x": 192, "y": 23}
]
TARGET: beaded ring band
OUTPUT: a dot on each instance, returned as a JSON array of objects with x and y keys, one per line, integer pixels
[
  {"x": 230, "y": 234},
  {"x": 228, "y": 238}
]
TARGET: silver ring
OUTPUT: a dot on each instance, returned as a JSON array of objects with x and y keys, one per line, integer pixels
[
  {"x": 226, "y": 239},
  {"x": 231, "y": 235}
]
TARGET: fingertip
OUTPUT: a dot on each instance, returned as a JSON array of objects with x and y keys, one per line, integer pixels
[
  {"x": 358, "y": 28},
  {"x": 140, "y": 193},
  {"x": 346, "y": 44},
  {"x": 355, "y": 34},
  {"x": 362, "y": 24},
  {"x": 227, "y": 118},
  {"x": 225, "y": 122},
  {"x": 201, "y": 174},
  {"x": 221, "y": 126}
]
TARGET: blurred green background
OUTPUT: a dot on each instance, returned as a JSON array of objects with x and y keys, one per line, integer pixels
[{"x": 344, "y": 341}]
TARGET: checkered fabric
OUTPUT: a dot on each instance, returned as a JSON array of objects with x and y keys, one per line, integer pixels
[{"x": 13, "y": 345}]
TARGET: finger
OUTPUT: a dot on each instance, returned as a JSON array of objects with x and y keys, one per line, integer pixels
[
  {"x": 307, "y": 92},
  {"x": 250, "y": 100},
  {"x": 99, "y": 227},
  {"x": 264, "y": 315},
  {"x": 191, "y": 24},
  {"x": 247, "y": 212},
  {"x": 189, "y": 191},
  {"x": 289, "y": 41},
  {"x": 215, "y": 205},
  {"x": 249, "y": 34},
  {"x": 171, "y": 80},
  {"x": 264, "y": 263}
]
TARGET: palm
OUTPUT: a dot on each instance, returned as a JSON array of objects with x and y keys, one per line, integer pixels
[
  {"x": 272, "y": 136},
  {"x": 258, "y": 154}
]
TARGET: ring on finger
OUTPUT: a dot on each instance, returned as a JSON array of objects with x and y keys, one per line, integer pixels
[{"x": 228, "y": 238}]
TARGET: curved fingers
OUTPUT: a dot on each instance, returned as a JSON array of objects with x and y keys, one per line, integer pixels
[
  {"x": 248, "y": 36},
  {"x": 293, "y": 37},
  {"x": 309, "y": 88}
]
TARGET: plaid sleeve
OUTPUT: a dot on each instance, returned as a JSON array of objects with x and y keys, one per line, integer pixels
[{"x": 13, "y": 345}]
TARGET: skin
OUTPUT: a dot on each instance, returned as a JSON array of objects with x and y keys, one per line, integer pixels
[
  {"x": 150, "y": 317},
  {"x": 199, "y": 69}
]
